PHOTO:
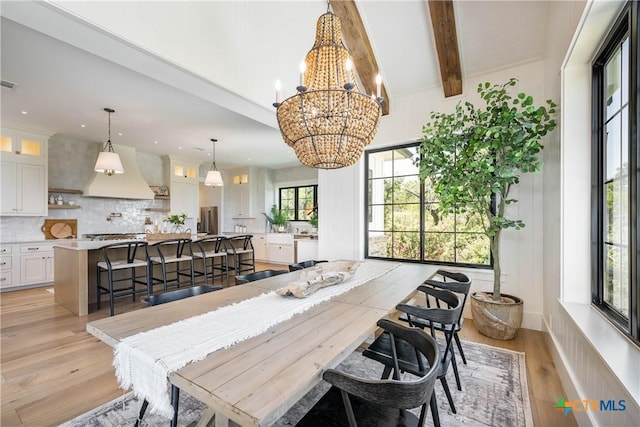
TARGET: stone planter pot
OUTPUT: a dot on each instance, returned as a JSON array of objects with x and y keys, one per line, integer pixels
[{"x": 497, "y": 319}]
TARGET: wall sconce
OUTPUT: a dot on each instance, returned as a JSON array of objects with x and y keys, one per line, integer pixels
[{"x": 241, "y": 179}]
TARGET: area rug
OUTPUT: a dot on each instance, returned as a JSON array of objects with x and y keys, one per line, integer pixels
[{"x": 494, "y": 393}]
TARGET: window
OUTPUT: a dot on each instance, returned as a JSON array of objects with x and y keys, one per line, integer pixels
[
  {"x": 298, "y": 202},
  {"x": 615, "y": 175},
  {"x": 403, "y": 221}
]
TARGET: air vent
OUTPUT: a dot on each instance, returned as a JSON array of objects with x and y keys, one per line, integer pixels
[
  {"x": 8, "y": 85},
  {"x": 197, "y": 149}
]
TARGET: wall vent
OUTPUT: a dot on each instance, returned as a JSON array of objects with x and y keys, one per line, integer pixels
[{"x": 8, "y": 85}]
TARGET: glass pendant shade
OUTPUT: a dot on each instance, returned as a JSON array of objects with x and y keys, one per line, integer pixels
[
  {"x": 108, "y": 160},
  {"x": 214, "y": 177}
]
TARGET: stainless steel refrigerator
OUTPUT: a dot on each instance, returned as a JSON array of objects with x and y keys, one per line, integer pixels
[{"x": 208, "y": 220}]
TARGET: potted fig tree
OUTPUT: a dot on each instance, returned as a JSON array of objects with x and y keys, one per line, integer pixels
[{"x": 473, "y": 157}]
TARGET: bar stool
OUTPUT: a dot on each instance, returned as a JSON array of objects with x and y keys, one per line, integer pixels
[
  {"x": 121, "y": 256},
  {"x": 243, "y": 256},
  {"x": 210, "y": 249},
  {"x": 172, "y": 251}
]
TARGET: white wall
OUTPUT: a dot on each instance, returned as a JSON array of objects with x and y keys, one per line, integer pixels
[
  {"x": 581, "y": 340},
  {"x": 342, "y": 192}
]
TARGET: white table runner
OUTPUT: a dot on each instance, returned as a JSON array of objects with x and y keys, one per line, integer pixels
[{"x": 144, "y": 360}]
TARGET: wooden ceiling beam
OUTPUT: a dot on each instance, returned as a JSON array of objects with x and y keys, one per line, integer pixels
[
  {"x": 443, "y": 22},
  {"x": 357, "y": 41}
]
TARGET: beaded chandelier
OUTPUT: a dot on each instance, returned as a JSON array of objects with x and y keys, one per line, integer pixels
[{"x": 328, "y": 122}]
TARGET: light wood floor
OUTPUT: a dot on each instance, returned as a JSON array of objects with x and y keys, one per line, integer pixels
[{"x": 53, "y": 370}]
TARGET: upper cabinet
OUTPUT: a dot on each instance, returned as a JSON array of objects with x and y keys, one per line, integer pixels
[
  {"x": 23, "y": 169},
  {"x": 183, "y": 187},
  {"x": 243, "y": 193},
  {"x": 19, "y": 146}
]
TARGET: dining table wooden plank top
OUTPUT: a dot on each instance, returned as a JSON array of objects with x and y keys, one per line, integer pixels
[{"x": 255, "y": 381}]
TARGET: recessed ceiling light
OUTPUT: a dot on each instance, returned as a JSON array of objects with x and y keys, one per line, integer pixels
[
  {"x": 83, "y": 126},
  {"x": 155, "y": 142},
  {"x": 179, "y": 148},
  {"x": 24, "y": 112},
  {"x": 119, "y": 133}
]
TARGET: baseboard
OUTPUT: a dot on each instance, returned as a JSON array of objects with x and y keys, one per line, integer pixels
[{"x": 566, "y": 375}]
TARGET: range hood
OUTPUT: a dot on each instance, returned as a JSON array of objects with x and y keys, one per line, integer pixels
[{"x": 127, "y": 185}]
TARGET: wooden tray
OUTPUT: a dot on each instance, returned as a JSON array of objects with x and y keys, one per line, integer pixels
[
  {"x": 60, "y": 228},
  {"x": 164, "y": 236}
]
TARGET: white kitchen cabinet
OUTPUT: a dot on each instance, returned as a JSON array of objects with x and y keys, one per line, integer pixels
[
  {"x": 36, "y": 263},
  {"x": 7, "y": 266},
  {"x": 243, "y": 193},
  {"x": 306, "y": 249},
  {"x": 24, "y": 189},
  {"x": 280, "y": 248},
  {"x": 26, "y": 264},
  {"x": 259, "y": 242},
  {"x": 183, "y": 187},
  {"x": 22, "y": 146},
  {"x": 23, "y": 169}
]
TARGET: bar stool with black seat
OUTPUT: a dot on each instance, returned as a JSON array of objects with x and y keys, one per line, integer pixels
[
  {"x": 172, "y": 252},
  {"x": 241, "y": 248},
  {"x": 386, "y": 351},
  {"x": 163, "y": 298},
  {"x": 252, "y": 277},
  {"x": 130, "y": 257},
  {"x": 360, "y": 401},
  {"x": 304, "y": 264},
  {"x": 213, "y": 253}
]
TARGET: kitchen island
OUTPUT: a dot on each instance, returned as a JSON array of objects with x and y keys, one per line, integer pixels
[
  {"x": 74, "y": 264},
  {"x": 75, "y": 273}
]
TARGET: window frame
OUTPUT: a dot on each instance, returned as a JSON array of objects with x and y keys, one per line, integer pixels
[
  {"x": 421, "y": 231},
  {"x": 627, "y": 24},
  {"x": 296, "y": 190}
]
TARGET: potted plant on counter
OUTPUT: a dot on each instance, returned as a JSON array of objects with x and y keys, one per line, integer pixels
[
  {"x": 177, "y": 220},
  {"x": 277, "y": 218},
  {"x": 473, "y": 158}
]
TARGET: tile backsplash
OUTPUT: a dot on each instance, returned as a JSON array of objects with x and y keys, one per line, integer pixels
[{"x": 92, "y": 218}]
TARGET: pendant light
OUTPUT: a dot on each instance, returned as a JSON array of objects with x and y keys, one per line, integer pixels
[
  {"x": 108, "y": 160},
  {"x": 214, "y": 177}
]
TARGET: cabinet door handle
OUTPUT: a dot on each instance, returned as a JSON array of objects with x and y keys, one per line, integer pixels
[
  {"x": 3, "y": 263},
  {"x": 3, "y": 250},
  {"x": 18, "y": 152},
  {"x": 33, "y": 249},
  {"x": 2, "y": 279}
]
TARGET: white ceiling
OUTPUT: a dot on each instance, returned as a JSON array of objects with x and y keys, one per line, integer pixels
[{"x": 65, "y": 72}]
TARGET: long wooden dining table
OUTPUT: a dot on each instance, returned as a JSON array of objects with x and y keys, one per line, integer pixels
[{"x": 255, "y": 381}]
